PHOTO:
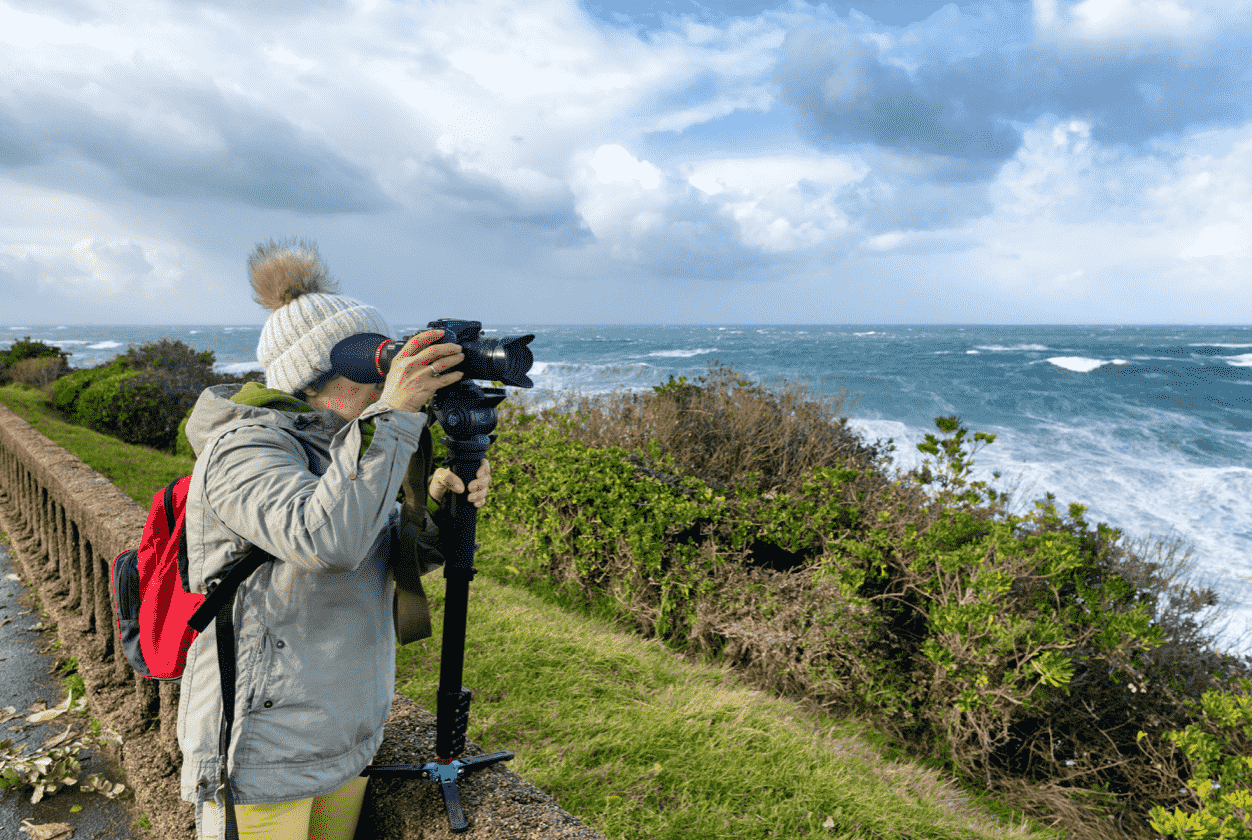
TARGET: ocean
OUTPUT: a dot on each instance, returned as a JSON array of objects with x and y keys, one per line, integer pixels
[{"x": 1150, "y": 427}]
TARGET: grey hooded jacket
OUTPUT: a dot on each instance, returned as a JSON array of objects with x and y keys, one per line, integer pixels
[{"x": 316, "y": 650}]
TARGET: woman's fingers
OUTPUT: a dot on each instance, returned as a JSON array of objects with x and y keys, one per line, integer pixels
[
  {"x": 445, "y": 479},
  {"x": 419, "y": 342}
]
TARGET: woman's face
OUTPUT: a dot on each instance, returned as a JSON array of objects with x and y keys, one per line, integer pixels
[{"x": 345, "y": 397}]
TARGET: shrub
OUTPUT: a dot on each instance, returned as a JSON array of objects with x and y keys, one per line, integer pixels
[
  {"x": 67, "y": 389},
  {"x": 725, "y": 430},
  {"x": 182, "y": 446},
  {"x": 137, "y": 406},
  {"x": 1218, "y": 755},
  {"x": 97, "y": 405},
  {"x": 26, "y": 349},
  {"x": 37, "y": 372}
]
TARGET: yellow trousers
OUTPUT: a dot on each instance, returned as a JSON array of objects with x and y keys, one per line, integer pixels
[{"x": 329, "y": 817}]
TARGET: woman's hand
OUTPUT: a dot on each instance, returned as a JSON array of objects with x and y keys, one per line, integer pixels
[
  {"x": 417, "y": 371},
  {"x": 443, "y": 480}
]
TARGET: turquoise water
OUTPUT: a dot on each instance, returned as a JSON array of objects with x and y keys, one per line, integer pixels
[{"x": 1149, "y": 426}]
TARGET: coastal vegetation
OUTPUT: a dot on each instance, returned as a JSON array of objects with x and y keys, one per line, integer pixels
[{"x": 1058, "y": 675}]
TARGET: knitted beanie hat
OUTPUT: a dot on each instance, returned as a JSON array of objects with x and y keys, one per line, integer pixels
[{"x": 306, "y": 320}]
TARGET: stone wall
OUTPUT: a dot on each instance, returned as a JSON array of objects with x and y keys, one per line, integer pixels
[{"x": 66, "y": 523}]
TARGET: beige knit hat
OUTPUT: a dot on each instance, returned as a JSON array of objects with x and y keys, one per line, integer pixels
[{"x": 306, "y": 320}]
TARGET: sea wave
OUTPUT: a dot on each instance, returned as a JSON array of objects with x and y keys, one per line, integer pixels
[
  {"x": 1080, "y": 364},
  {"x": 1201, "y": 344},
  {"x": 682, "y": 354},
  {"x": 1016, "y": 347},
  {"x": 105, "y": 345},
  {"x": 1244, "y": 360}
]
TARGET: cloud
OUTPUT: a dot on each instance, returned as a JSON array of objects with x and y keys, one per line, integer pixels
[
  {"x": 168, "y": 137},
  {"x": 962, "y": 83},
  {"x": 840, "y": 88},
  {"x": 641, "y": 216},
  {"x": 781, "y": 203}
]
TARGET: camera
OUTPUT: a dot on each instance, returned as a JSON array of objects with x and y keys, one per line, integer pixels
[{"x": 366, "y": 357}]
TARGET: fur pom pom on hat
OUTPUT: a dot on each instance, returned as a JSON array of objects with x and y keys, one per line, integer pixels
[{"x": 306, "y": 318}]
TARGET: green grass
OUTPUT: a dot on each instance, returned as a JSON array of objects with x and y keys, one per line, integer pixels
[
  {"x": 634, "y": 739},
  {"x": 137, "y": 471}
]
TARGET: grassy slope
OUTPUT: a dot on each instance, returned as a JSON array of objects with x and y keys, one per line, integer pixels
[{"x": 630, "y": 737}]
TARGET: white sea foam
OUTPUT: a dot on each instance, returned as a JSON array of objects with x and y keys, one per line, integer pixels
[
  {"x": 1218, "y": 345},
  {"x": 972, "y": 353},
  {"x": 1239, "y": 361},
  {"x": 1016, "y": 347},
  {"x": 1079, "y": 364},
  {"x": 237, "y": 368},
  {"x": 104, "y": 345},
  {"x": 871, "y": 332},
  {"x": 682, "y": 354}
]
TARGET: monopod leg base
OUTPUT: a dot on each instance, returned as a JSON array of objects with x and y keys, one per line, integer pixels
[{"x": 445, "y": 775}]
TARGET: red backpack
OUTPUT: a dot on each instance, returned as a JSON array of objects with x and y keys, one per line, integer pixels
[{"x": 158, "y": 616}]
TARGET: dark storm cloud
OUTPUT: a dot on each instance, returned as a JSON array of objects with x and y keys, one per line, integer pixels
[
  {"x": 223, "y": 147},
  {"x": 840, "y": 89},
  {"x": 484, "y": 201}
]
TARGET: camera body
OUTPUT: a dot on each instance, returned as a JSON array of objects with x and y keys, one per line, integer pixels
[{"x": 367, "y": 357}]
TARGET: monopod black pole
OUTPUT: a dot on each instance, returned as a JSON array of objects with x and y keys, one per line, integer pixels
[{"x": 458, "y": 547}]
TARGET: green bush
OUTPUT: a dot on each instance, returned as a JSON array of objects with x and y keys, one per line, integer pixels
[
  {"x": 11, "y": 368},
  {"x": 67, "y": 389},
  {"x": 182, "y": 446},
  {"x": 98, "y": 403},
  {"x": 27, "y": 349},
  {"x": 137, "y": 406},
  {"x": 1218, "y": 750}
]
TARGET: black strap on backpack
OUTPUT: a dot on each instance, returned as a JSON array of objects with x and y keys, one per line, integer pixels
[{"x": 218, "y": 607}]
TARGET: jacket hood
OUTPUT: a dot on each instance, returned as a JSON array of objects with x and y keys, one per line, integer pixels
[{"x": 222, "y": 405}]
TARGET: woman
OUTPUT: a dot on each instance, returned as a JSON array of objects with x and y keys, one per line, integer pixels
[{"x": 308, "y": 469}]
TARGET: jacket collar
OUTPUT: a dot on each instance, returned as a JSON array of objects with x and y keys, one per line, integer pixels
[{"x": 222, "y": 405}]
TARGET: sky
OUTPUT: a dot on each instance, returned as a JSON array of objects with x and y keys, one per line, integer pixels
[{"x": 617, "y": 162}]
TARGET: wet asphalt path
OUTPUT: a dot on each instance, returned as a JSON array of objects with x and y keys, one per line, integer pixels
[{"x": 25, "y": 680}]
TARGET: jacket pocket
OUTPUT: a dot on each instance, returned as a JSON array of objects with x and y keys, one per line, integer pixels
[
  {"x": 260, "y": 674},
  {"x": 247, "y": 749}
]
